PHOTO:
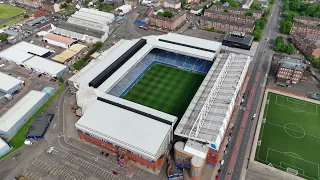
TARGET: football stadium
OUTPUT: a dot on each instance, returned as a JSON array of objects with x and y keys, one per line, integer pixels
[
  {"x": 294, "y": 122},
  {"x": 136, "y": 94}
]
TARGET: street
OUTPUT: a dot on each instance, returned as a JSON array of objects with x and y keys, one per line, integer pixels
[{"x": 237, "y": 158}]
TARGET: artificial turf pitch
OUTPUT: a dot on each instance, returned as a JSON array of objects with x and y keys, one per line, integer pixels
[
  {"x": 166, "y": 89},
  {"x": 290, "y": 136},
  {"x": 8, "y": 11}
]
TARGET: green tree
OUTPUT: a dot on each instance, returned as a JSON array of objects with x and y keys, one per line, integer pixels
[
  {"x": 26, "y": 16},
  {"x": 233, "y": 3},
  {"x": 3, "y": 37},
  {"x": 255, "y": 6},
  {"x": 290, "y": 48},
  {"x": 86, "y": 2},
  {"x": 60, "y": 79},
  {"x": 260, "y": 22},
  {"x": 64, "y": 6},
  {"x": 316, "y": 63},
  {"x": 249, "y": 12},
  {"x": 257, "y": 32},
  {"x": 285, "y": 26},
  {"x": 218, "y": 3},
  {"x": 69, "y": 1}
]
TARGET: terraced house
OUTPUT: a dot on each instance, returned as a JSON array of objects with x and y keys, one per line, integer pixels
[
  {"x": 234, "y": 10},
  {"x": 230, "y": 17},
  {"x": 226, "y": 25}
]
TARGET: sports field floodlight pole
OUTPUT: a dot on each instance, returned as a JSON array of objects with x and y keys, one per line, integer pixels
[{"x": 210, "y": 99}]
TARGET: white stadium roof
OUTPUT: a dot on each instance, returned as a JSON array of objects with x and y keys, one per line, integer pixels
[
  {"x": 135, "y": 132},
  {"x": 45, "y": 65},
  {"x": 231, "y": 71},
  {"x": 8, "y": 82}
]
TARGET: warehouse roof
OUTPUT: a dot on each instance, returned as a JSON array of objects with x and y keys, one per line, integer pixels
[
  {"x": 214, "y": 125},
  {"x": 81, "y": 29},
  {"x": 64, "y": 56},
  {"x": 97, "y": 12},
  {"x": 127, "y": 129},
  {"x": 37, "y": 20},
  {"x": 7, "y": 82},
  {"x": 16, "y": 55},
  {"x": 87, "y": 23},
  {"x": 77, "y": 47},
  {"x": 15, "y": 113},
  {"x": 45, "y": 65},
  {"x": 58, "y": 38},
  {"x": 3, "y": 144},
  {"x": 31, "y": 48}
]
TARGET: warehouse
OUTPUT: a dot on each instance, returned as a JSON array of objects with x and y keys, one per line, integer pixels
[
  {"x": 238, "y": 40},
  {"x": 60, "y": 41},
  {"x": 9, "y": 84},
  {"x": 95, "y": 14},
  {"x": 134, "y": 131},
  {"x": 45, "y": 66},
  {"x": 64, "y": 56},
  {"x": 205, "y": 124},
  {"x": 4, "y": 148},
  {"x": 19, "y": 114}
]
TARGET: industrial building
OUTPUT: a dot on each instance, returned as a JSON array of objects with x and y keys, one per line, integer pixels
[
  {"x": 99, "y": 85},
  {"x": 86, "y": 25},
  {"x": 60, "y": 41},
  {"x": 70, "y": 53},
  {"x": 238, "y": 40},
  {"x": 9, "y": 84},
  {"x": 207, "y": 118},
  {"x": 4, "y": 148},
  {"x": 33, "y": 57},
  {"x": 18, "y": 115}
]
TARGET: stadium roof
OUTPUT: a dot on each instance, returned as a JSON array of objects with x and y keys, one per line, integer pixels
[
  {"x": 247, "y": 40},
  {"x": 45, "y": 65},
  {"x": 58, "y": 38},
  {"x": 64, "y": 56},
  {"x": 31, "y": 48},
  {"x": 7, "y": 82},
  {"x": 133, "y": 131},
  {"x": 19, "y": 110},
  {"x": 16, "y": 55},
  {"x": 81, "y": 30},
  {"x": 215, "y": 123}
]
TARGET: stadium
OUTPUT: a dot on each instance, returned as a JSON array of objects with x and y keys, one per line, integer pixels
[{"x": 142, "y": 95}]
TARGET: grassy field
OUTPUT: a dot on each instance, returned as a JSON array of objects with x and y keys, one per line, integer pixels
[
  {"x": 166, "y": 89},
  {"x": 289, "y": 136},
  {"x": 18, "y": 140},
  {"x": 8, "y": 11},
  {"x": 11, "y": 22}
]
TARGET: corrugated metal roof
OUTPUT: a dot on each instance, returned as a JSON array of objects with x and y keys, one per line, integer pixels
[
  {"x": 7, "y": 82},
  {"x": 58, "y": 38},
  {"x": 45, "y": 65}
]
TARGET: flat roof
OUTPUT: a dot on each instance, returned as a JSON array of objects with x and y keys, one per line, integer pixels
[
  {"x": 31, "y": 48},
  {"x": 77, "y": 47},
  {"x": 81, "y": 29},
  {"x": 45, "y": 65},
  {"x": 16, "y": 55},
  {"x": 39, "y": 125},
  {"x": 247, "y": 39},
  {"x": 16, "y": 112},
  {"x": 3, "y": 144},
  {"x": 58, "y": 38},
  {"x": 130, "y": 130},
  {"x": 8, "y": 82},
  {"x": 215, "y": 123},
  {"x": 64, "y": 56}
]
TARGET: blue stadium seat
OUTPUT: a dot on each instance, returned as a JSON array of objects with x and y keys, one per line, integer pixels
[
  {"x": 207, "y": 67},
  {"x": 180, "y": 60},
  {"x": 199, "y": 66},
  {"x": 189, "y": 63}
]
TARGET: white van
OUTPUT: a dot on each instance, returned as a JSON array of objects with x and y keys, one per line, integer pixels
[{"x": 27, "y": 142}]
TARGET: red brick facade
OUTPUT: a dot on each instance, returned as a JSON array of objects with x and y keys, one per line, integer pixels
[{"x": 168, "y": 23}]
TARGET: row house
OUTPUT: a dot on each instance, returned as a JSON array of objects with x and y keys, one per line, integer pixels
[
  {"x": 304, "y": 29},
  {"x": 31, "y": 3},
  {"x": 168, "y": 23},
  {"x": 223, "y": 25},
  {"x": 230, "y": 17},
  {"x": 306, "y": 45},
  {"x": 234, "y": 10},
  {"x": 307, "y": 20}
]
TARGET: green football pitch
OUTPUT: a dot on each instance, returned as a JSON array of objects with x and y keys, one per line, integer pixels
[
  {"x": 289, "y": 137},
  {"x": 166, "y": 89},
  {"x": 8, "y": 11}
]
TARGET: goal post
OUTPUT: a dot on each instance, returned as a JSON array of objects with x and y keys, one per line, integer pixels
[{"x": 292, "y": 171}]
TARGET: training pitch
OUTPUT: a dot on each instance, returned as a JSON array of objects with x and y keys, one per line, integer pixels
[
  {"x": 8, "y": 11},
  {"x": 289, "y": 137},
  {"x": 165, "y": 88}
]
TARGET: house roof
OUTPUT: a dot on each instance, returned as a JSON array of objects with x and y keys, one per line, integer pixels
[{"x": 58, "y": 38}]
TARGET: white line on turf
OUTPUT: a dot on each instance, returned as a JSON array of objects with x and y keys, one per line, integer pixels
[
  {"x": 293, "y": 154},
  {"x": 293, "y": 109},
  {"x": 291, "y": 166},
  {"x": 303, "y": 102}
]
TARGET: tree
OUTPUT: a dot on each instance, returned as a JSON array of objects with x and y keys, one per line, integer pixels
[
  {"x": 257, "y": 32},
  {"x": 290, "y": 48},
  {"x": 64, "y": 6},
  {"x": 285, "y": 26},
  {"x": 260, "y": 22},
  {"x": 249, "y": 13},
  {"x": 86, "y": 2},
  {"x": 223, "y": 1},
  {"x": 69, "y": 1},
  {"x": 255, "y": 6},
  {"x": 3, "y": 37},
  {"x": 233, "y": 3},
  {"x": 60, "y": 79},
  {"x": 78, "y": 64},
  {"x": 26, "y": 16},
  {"x": 165, "y": 13},
  {"x": 218, "y": 3}
]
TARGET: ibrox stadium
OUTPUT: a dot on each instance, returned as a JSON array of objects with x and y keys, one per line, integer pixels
[{"x": 144, "y": 97}]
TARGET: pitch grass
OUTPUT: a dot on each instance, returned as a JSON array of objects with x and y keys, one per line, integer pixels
[
  {"x": 8, "y": 11},
  {"x": 166, "y": 89},
  {"x": 290, "y": 136}
]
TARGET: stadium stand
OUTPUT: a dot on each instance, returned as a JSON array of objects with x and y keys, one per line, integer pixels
[{"x": 158, "y": 56}]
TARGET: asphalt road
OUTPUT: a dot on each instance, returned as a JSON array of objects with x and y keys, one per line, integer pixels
[{"x": 234, "y": 161}]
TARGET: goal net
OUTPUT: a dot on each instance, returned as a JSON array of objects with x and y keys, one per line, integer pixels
[
  {"x": 259, "y": 143},
  {"x": 292, "y": 171}
]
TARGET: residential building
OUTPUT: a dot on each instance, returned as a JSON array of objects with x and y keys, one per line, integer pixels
[
  {"x": 307, "y": 20},
  {"x": 169, "y": 23},
  {"x": 247, "y": 4},
  {"x": 257, "y": 14},
  {"x": 32, "y": 3},
  {"x": 307, "y": 44},
  {"x": 290, "y": 71},
  {"x": 51, "y": 5},
  {"x": 193, "y": 1},
  {"x": 39, "y": 14},
  {"x": 225, "y": 25},
  {"x": 174, "y": 4},
  {"x": 132, "y": 3},
  {"x": 230, "y": 17},
  {"x": 304, "y": 29},
  {"x": 234, "y": 10},
  {"x": 114, "y": 2}
]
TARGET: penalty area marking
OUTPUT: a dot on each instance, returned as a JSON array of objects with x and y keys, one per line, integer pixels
[
  {"x": 303, "y": 102},
  {"x": 292, "y": 166},
  {"x": 294, "y": 154},
  {"x": 294, "y": 109}
]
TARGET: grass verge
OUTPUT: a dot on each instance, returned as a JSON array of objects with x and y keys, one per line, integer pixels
[
  {"x": 18, "y": 140},
  {"x": 9, "y": 23}
]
